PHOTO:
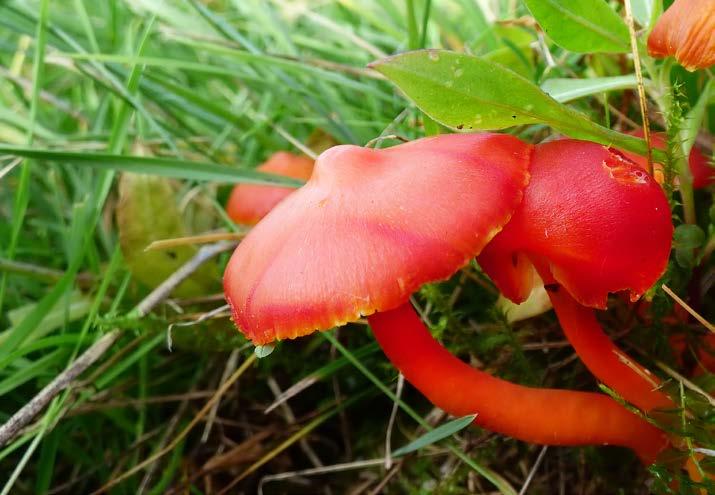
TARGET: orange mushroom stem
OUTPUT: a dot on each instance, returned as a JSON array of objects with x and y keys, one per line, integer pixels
[
  {"x": 367, "y": 230},
  {"x": 592, "y": 223},
  {"x": 598, "y": 352},
  {"x": 537, "y": 415}
]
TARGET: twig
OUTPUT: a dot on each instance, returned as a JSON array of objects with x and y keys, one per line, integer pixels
[
  {"x": 335, "y": 468},
  {"x": 229, "y": 488},
  {"x": 59, "y": 104},
  {"x": 336, "y": 28},
  {"x": 198, "y": 299},
  {"x": 164, "y": 289},
  {"x": 386, "y": 479},
  {"x": 533, "y": 470},
  {"x": 685, "y": 382},
  {"x": 292, "y": 391},
  {"x": 639, "y": 79},
  {"x": 8, "y": 168},
  {"x": 541, "y": 44},
  {"x": 391, "y": 422},
  {"x": 379, "y": 139},
  {"x": 290, "y": 419},
  {"x": 639, "y": 370},
  {"x": 173, "y": 423},
  {"x": 199, "y": 416},
  {"x": 27, "y": 412},
  {"x": 138, "y": 403},
  {"x": 40, "y": 272},
  {"x": 687, "y": 308},
  {"x": 22, "y": 417},
  {"x": 214, "y": 313},
  {"x": 342, "y": 415},
  {"x": 231, "y": 364},
  {"x": 195, "y": 239}
]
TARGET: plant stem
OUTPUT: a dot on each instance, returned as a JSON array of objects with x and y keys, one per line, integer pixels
[
  {"x": 664, "y": 97},
  {"x": 641, "y": 88}
]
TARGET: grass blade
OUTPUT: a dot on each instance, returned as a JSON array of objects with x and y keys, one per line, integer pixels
[{"x": 165, "y": 167}]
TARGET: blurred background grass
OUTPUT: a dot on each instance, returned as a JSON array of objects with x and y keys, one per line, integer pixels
[{"x": 230, "y": 82}]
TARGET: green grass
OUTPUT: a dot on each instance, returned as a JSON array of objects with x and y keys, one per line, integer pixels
[{"x": 199, "y": 93}]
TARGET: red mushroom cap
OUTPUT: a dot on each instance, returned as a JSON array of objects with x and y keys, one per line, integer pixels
[
  {"x": 703, "y": 173},
  {"x": 369, "y": 228},
  {"x": 591, "y": 219},
  {"x": 686, "y": 31},
  {"x": 249, "y": 203}
]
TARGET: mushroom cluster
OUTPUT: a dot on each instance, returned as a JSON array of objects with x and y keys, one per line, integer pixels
[
  {"x": 372, "y": 226},
  {"x": 585, "y": 219}
]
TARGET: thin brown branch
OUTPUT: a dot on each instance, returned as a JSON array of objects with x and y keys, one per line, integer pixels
[
  {"x": 195, "y": 239},
  {"x": 63, "y": 381},
  {"x": 639, "y": 78},
  {"x": 687, "y": 308},
  {"x": 172, "y": 445}
]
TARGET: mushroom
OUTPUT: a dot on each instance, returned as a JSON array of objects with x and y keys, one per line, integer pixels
[
  {"x": 367, "y": 230},
  {"x": 703, "y": 174},
  {"x": 592, "y": 223},
  {"x": 685, "y": 31},
  {"x": 249, "y": 203}
]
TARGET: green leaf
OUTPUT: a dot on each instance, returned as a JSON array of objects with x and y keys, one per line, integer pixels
[
  {"x": 514, "y": 50},
  {"x": 694, "y": 119},
  {"x": 165, "y": 167},
  {"x": 687, "y": 238},
  {"x": 75, "y": 306},
  {"x": 514, "y": 56},
  {"x": 262, "y": 351},
  {"x": 147, "y": 211},
  {"x": 33, "y": 369},
  {"x": 80, "y": 214},
  {"x": 46, "y": 463},
  {"x": 464, "y": 92},
  {"x": 643, "y": 11},
  {"x": 434, "y": 436},
  {"x": 564, "y": 89},
  {"x": 584, "y": 26}
]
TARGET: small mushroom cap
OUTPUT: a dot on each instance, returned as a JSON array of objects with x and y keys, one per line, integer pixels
[
  {"x": 591, "y": 220},
  {"x": 686, "y": 31},
  {"x": 249, "y": 203},
  {"x": 369, "y": 228}
]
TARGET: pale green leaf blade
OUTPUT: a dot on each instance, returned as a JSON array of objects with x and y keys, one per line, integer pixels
[
  {"x": 434, "y": 436},
  {"x": 73, "y": 308},
  {"x": 695, "y": 118},
  {"x": 564, "y": 89},
  {"x": 464, "y": 92},
  {"x": 148, "y": 211},
  {"x": 165, "y": 167},
  {"x": 643, "y": 11},
  {"x": 584, "y": 26}
]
